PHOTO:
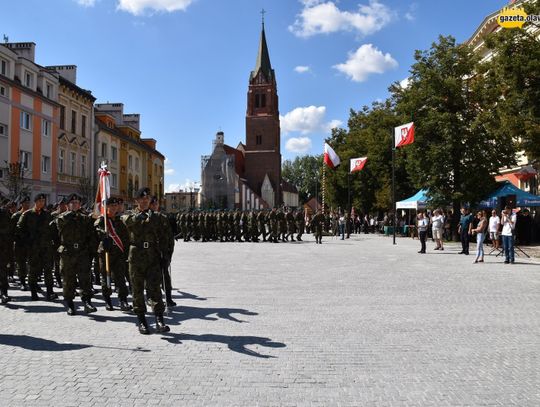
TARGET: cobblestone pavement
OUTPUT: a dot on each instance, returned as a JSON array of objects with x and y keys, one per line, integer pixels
[{"x": 358, "y": 322}]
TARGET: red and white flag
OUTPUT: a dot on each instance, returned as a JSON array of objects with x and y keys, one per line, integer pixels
[
  {"x": 114, "y": 236},
  {"x": 104, "y": 190},
  {"x": 357, "y": 164},
  {"x": 404, "y": 135},
  {"x": 330, "y": 157}
]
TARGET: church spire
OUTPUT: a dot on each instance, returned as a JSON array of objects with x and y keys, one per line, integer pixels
[{"x": 263, "y": 57}]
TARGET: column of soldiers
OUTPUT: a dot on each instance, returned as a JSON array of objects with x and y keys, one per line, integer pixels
[
  {"x": 131, "y": 251},
  {"x": 273, "y": 225}
]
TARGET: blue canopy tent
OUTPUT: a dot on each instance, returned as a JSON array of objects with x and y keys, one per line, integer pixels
[
  {"x": 523, "y": 199},
  {"x": 417, "y": 201}
]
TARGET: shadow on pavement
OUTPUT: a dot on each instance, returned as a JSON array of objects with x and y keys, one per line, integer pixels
[
  {"x": 235, "y": 343},
  {"x": 188, "y": 296},
  {"x": 39, "y": 344},
  {"x": 183, "y": 313},
  {"x": 35, "y": 308}
]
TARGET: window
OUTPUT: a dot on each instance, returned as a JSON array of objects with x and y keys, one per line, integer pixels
[
  {"x": 104, "y": 150},
  {"x": 28, "y": 79},
  {"x": 3, "y": 130},
  {"x": 61, "y": 159},
  {"x": 3, "y": 91},
  {"x": 46, "y": 128},
  {"x": 114, "y": 153},
  {"x": 73, "y": 163},
  {"x": 155, "y": 169},
  {"x": 83, "y": 166},
  {"x": 114, "y": 180},
  {"x": 45, "y": 164},
  {"x": 260, "y": 100},
  {"x": 3, "y": 67},
  {"x": 258, "y": 139},
  {"x": 130, "y": 162},
  {"x": 73, "y": 121},
  {"x": 26, "y": 121},
  {"x": 83, "y": 125},
  {"x": 62, "y": 117},
  {"x": 48, "y": 90},
  {"x": 26, "y": 160},
  {"x": 136, "y": 163}
]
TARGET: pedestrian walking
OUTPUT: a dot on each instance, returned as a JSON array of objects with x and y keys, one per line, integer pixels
[
  {"x": 422, "y": 224},
  {"x": 480, "y": 236},
  {"x": 437, "y": 224},
  {"x": 494, "y": 228}
]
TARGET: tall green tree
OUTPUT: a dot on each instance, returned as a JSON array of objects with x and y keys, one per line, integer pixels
[
  {"x": 454, "y": 154},
  {"x": 305, "y": 173}
]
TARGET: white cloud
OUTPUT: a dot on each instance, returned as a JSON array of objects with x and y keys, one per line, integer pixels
[
  {"x": 138, "y": 7},
  {"x": 86, "y": 3},
  {"x": 186, "y": 186},
  {"x": 302, "y": 69},
  {"x": 333, "y": 124},
  {"x": 411, "y": 13},
  {"x": 405, "y": 83},
  {"x": 169, "y": 171},
  {"x": 298, "y": 144},
  {"x": 172, "y": 188},
  {"x": 318, "y": 17},
  {"x": 306, "y": 120},
  {"x": 364, "y": 61}
]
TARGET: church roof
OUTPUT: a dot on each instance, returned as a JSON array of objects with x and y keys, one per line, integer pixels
[
  {"x": 239, "y": 165},
  {"x": 263, "y": 59},
  {"x": 288, "y": 187}
]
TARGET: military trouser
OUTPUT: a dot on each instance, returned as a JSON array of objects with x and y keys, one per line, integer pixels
[
  {"x": 300, "y": 229},
  {"x": 118, "y": 268},
  {"x": 57, "y": 273},
  {"x": 4, "y": 261},
  {"x": 74, "y": 267},
  {"x": 166, "y": 280},
  {"x": 144, "y": 271},
  {"x": 262, "y": 230},
  {"x": 21, "y": 255},
  {"x": 40, "y": 261},
  {"x": 318, "y": 233}
]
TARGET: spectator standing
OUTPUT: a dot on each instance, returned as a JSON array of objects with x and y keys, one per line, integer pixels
[
  {"x": 494, "y": 226},
  {"x": 509, "y": 223},
  {"x": 422, "y": 224},
  {"x": 437, "y": 223},
  {"x": 465, "y": 229},
  {"x": 341, "y": 223},
  {"x": 480, "y": 236}
]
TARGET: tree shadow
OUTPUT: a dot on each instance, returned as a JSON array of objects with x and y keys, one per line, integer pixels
[
  {"x": 183, "y": 313},
  {"x": 235, "y": 343}
]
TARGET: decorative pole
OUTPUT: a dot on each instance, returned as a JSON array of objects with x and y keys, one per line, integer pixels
[{"x": 393, "y": 184}]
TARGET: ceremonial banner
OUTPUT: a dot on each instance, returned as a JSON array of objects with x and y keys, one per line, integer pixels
[
  {"x": 357, "y": 164},
  {"x": 330, "y": 157},
  {"x": 104, "y": 190},
  {"x": 404, "y": 135}
]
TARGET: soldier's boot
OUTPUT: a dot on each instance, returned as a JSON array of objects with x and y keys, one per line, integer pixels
[
  {"x": 58, "y": 278},
  {"x": 143, "y": 325},
  {"x": 170, "y": 301},
  {"x": 70, "y": 307},
  {"x": 4, "y": 298},
  {"x": 292, "y": 239},
  {"x": 22, "y": 285},
  {"x": 108, "y": 303},
  {"x": 50, "y": 295},
  {"x": 88, "y": 307},
  {"x": 160, "y": 324},
  {"x": 33, "y": 293},
  {"x": 124, "y": 306}
]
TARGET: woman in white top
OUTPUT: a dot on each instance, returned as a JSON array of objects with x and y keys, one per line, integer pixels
[
  {"x": 494, "y": 224},
  {"x": 480, "y": 236},
  {"x": 509, "y": 224},
  {"x": 437, "y": 223},
  {"x": 422, "y": 224}
]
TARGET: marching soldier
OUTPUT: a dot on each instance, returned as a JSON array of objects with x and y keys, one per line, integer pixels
[
  {"x": 34, "y": 227},
  {"x": 300, "y": 224},
  {"x": 21, "y": 248},
  {"x": 76, "y": 237},
  {"x": 62, "y": 207},
  {"x": 273, "y": 220},
  {"x": 317, "y": 223},
  {"x": 291, "y": 225},
  {"x": 261, "y": 219},
  {"x": 116, "y": 243},
  {"x": 145, "y": 237},
  {"x": 5, "y": 243}
]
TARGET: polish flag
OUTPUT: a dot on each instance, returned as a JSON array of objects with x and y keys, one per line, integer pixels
[
  {"x": 404, "y": 135},
  {"x": 330, "y": 157},
  {"x": 357, "y": 164},
  {"x": 104, "y": 190}
]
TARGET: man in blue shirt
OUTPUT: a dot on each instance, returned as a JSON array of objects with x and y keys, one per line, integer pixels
[{"x": 465, "y": 229}]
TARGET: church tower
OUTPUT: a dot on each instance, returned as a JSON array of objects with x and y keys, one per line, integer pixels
[{"x": 262, "y": 147}]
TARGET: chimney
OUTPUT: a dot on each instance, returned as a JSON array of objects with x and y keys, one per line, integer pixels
[
  {"x": 68, "y": 72},
  {"x": 23, "y": 49}
]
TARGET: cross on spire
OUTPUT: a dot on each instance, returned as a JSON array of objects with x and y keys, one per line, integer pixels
[{"x": 263, "y": 12}]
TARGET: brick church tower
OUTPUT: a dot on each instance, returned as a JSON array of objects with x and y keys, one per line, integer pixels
[{"x": 263, "y": 139}]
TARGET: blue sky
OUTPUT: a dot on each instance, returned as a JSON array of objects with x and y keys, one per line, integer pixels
[{"x": 184, "y": 64}]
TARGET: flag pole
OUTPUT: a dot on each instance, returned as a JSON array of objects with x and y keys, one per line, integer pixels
[
  {"x": 349, "y": 191},
  {"x": 393, "y": 184},
  {"x": 103, "y": 186}
]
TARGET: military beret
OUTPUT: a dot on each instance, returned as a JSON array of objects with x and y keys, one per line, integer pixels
[
  {"x": 112, "y": 201},
  {"x": 39, "y": 196},
  {"x": 74, "y": 197},
  {"x": 153, "y": 199},
  {"x": 24, "y": 199},
  {"x": 145, "y": 191},
  {"x": 62, "y": 201}
]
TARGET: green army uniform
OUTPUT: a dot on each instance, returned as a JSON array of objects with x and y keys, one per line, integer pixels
[
  {"x": 291, "y": 225},
  {"x": 20, "y": 252},
  {"x": 56, "y": 244},
  {"x": 6, "y": 240},
  {"x": 261, "y": 219},
  {"x": 118, "y": 253},
  {"x": 167, "y": 248},
  {"x": 282, "y": 225},
  {"x": 273, "y": 221},
  {"x": 300, "y": 224},
  {"x": 35, "y": 229},
  {"x": 254, "y": 227},
  {"x": 76, "y": 236},
  {"x": 244, "y": 226},
  {"x": 317, "y": 223}
]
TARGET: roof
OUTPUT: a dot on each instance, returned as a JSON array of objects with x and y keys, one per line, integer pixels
[
  {"x": 506, "y": 188},
  {"x": 68, "y": 84},
  {"x": 417, "y": 201},
  {"x": 288, "y": 187},
  {"x": 239, "y": 164},
  {"x": 263, "y": 59}
]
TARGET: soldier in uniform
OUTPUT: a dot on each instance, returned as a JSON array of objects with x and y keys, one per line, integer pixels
[
  {"x": 116, "y": 243},
  {"x": 61, "y": 208},
  {"x": 11, "y": 207},
  {"x": 273, "y": 221},
  {"x": 300, "y": 224},
  {"x": 20, "y": 248},
  {"x": 5, "y": 243},
  {"x": 291, "y": 224},
  {"x": 261, "y": 219},
  {"x": 317, "y": 223},
  {"x": 145, "y": 237},
  {"x": 35, "y": 229},
  {"x": 167, "y": 251},
  {"x": 282, "y": 225},
  {"x": 76, "y": 236}
]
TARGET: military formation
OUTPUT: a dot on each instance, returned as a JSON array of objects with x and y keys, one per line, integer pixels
[
  {"x": 275, "y": 225},
  {"x": 66, "y": 246}
]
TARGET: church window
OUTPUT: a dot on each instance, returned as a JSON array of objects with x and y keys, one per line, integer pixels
[
  {"x": 260, "y": 100},
  {"x": 258, "y": 140}
]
